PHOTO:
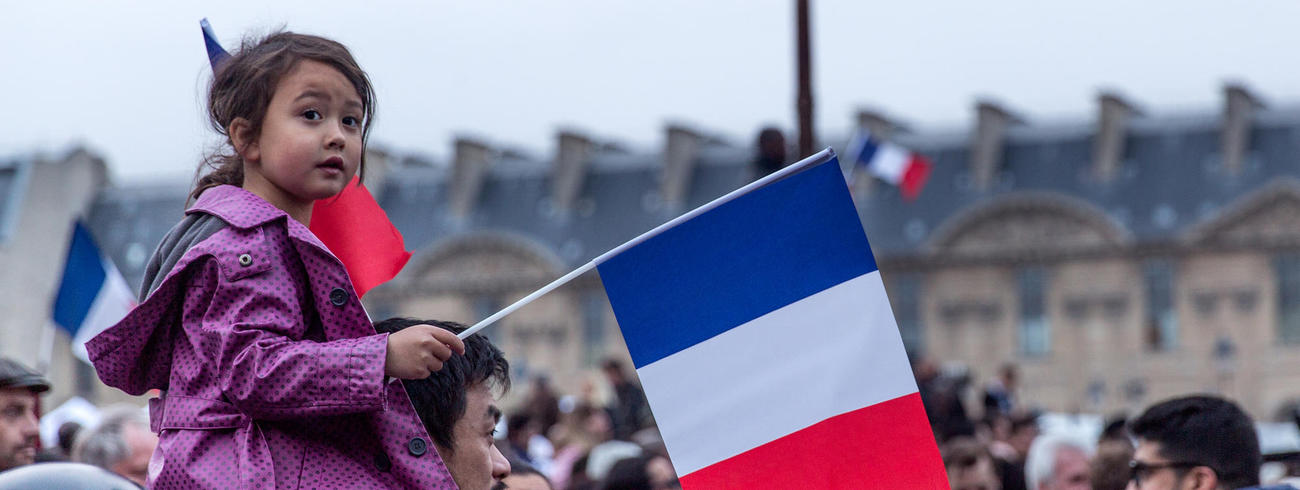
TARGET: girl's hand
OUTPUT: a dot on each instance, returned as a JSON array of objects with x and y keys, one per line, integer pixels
[{"x": 419, "y": 350}]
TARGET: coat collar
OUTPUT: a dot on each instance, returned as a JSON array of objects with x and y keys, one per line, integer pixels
[{"x": 236, "y": 206}]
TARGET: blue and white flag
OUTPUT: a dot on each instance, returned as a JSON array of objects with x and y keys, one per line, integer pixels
[
  {"x": 93, "y": 295},
  {"x": 766, "y": 345}
]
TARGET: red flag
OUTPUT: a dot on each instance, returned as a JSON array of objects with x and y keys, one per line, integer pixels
[{"x": 357, "y": 230}]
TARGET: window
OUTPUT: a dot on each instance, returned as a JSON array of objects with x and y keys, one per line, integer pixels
[
  {"x": 1035, "y": 337},
  {"x": 594, "y": 307},
  {"x": 13, "y": 184},
  {"x": 904, "y": 298},
  {"x": 1288, "y": 298},
  {"x": 1160, "y": 327},
  {"x": 485, "y": 306}
]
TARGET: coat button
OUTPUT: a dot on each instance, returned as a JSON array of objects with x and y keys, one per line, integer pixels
[
  {"x": 245, "y": 260},
  {"x": 338, "y": 297},
  {"x": 417, "y": 446},
  {"x": 382, "y": 463}
]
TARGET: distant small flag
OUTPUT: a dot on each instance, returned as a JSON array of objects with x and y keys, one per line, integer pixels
[
  {"x": 899, "y": 166},
  {"x": 767, "y": 348},
  {"x": 357, "y": 231},
  {"x": 92, "y": 295}
]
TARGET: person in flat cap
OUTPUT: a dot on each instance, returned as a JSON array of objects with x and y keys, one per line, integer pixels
[{"x": 19, "y": 387}]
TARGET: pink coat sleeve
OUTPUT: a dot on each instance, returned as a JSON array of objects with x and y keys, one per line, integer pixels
[{"x": 253, "y": 335}]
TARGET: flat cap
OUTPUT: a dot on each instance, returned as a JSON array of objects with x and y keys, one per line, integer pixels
[{"x": 14, "y": 375}]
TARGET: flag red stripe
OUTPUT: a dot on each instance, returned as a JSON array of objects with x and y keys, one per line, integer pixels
[
  {"x": 886, "y": 445},
  {"x": 918, "y": 170}
]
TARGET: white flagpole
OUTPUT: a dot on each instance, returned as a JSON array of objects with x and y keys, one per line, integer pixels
[{"x": 819, "y": 157}]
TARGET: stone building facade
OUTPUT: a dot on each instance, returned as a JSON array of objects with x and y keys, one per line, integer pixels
[{"x": 1117, "y": 260}]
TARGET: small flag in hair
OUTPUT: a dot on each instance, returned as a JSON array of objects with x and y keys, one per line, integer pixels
[
  {"x": 216, "y": 53},
  {"x": 892, "y": 163}
]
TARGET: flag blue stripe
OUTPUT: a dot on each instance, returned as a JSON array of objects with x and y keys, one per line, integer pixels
[
  {"x": 868, "y": 152},
  {"x": 753, "y": 255},
  {"x": 83, "y": 277}
]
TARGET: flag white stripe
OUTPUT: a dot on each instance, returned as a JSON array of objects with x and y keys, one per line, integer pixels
[
  {"x": 110, "y": 306},
  {"x": 827, "y": 354},
  {"x": 890, "y": 162}
]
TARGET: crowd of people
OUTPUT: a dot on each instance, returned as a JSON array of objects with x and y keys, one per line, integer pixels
[
  {"x": 548, "y": 443},
  {"x": 1187, "y": 442}
]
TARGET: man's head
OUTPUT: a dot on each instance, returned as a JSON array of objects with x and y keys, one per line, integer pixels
[
  {"x": 1195, "y": 442},
  {"x": 121, "y": 443},
  {"x": 969, "y": 465},
  {"x": 458, "y": 408},
  {"x": 19, "y": 431},
  {"x": 1023, "y": 430},
  {"x": 1056, "y": 462}
]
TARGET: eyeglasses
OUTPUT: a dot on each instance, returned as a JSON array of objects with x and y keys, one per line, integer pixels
[{"x": 1139, "y": 471}]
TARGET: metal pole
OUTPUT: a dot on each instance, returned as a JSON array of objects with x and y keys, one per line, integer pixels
[{"x": 807, "y": 139}]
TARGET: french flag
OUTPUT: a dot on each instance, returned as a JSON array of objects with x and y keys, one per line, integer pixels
[
  {"x": 93, "y": 295},
  {"x": 899, "y": 166},
  {"x": 765, "y": 343}
]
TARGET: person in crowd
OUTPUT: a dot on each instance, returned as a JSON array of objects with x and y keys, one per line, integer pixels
[
  {"x": 1013, "y": 435},
  {"x": 1057, "y": 462},
  {"x": 644, "y": 472},
  {"x": 1110, "y": 470},
  {"x": 1000, "y": 393},
  {"x": 458, "y": 408},
  {"x": 122, "y": 443},
  {"x": 1198, "y": 442},
  {"x": 969, "y": 465},
  {"x": 543, "y": 404},
  {"x": 62, "y": 450},
  {"x": 630, "y": 411},
  {"x": 520, "y": 429},
  {"x": 269, "y": 370},
  {"x": 19, "y": 431},
  {"x": 769, "y": 151},
  {"x": 524, "y": 477}
]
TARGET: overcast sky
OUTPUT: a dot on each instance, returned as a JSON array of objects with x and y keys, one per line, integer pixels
[{"x": 127, "y": 78}]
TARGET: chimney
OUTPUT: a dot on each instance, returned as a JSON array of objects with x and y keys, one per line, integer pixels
[
  {"x": 680, "y": 155},
  {"x": 876, "y": 123},
  {"x": 573, "y": 153},
  {"x": 1112, "y": 132},
  {"x": 1238, "y": 109},
  {"x": 468, "y": 172},
  {"x": 989, "y": 139}
]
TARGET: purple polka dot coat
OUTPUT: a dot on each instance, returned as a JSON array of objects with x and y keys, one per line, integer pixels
[{"x": 272, "y": 375}]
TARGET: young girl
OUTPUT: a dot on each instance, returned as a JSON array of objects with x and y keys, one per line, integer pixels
[{"x": 271, "y": 374}]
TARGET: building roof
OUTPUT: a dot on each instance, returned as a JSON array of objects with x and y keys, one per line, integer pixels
[{"x": 1170, "y": 179}]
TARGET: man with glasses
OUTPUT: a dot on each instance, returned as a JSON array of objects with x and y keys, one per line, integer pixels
[{"x": 1195, "y": 443}]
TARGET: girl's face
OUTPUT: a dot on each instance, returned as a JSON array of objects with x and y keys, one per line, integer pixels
[{"x": 310, "y": 144}]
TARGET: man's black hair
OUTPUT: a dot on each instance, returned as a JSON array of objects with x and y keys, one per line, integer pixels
[
  {"x": 440, "y": 399},
  {"x": 1205, "y": 430}
]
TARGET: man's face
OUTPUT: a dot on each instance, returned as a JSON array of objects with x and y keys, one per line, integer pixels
[
  {"x": 1070, "y": 471},
  {"x": 473, "y": 460},
  {"x": 1154, "y": 474},
  {"x": 18, "y": 427},
  {"x": 141, "y": 442}
]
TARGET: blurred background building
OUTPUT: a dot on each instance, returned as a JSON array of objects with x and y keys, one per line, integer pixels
[{"x": 1117, "y": 259}]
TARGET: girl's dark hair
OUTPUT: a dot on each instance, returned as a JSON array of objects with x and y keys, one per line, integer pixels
[{"x": 244, "y": 84}]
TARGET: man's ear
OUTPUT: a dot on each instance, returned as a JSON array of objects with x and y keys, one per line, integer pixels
[
  {"x": 1202, "y": 478},
  {"x": 243, "y": 139}
]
